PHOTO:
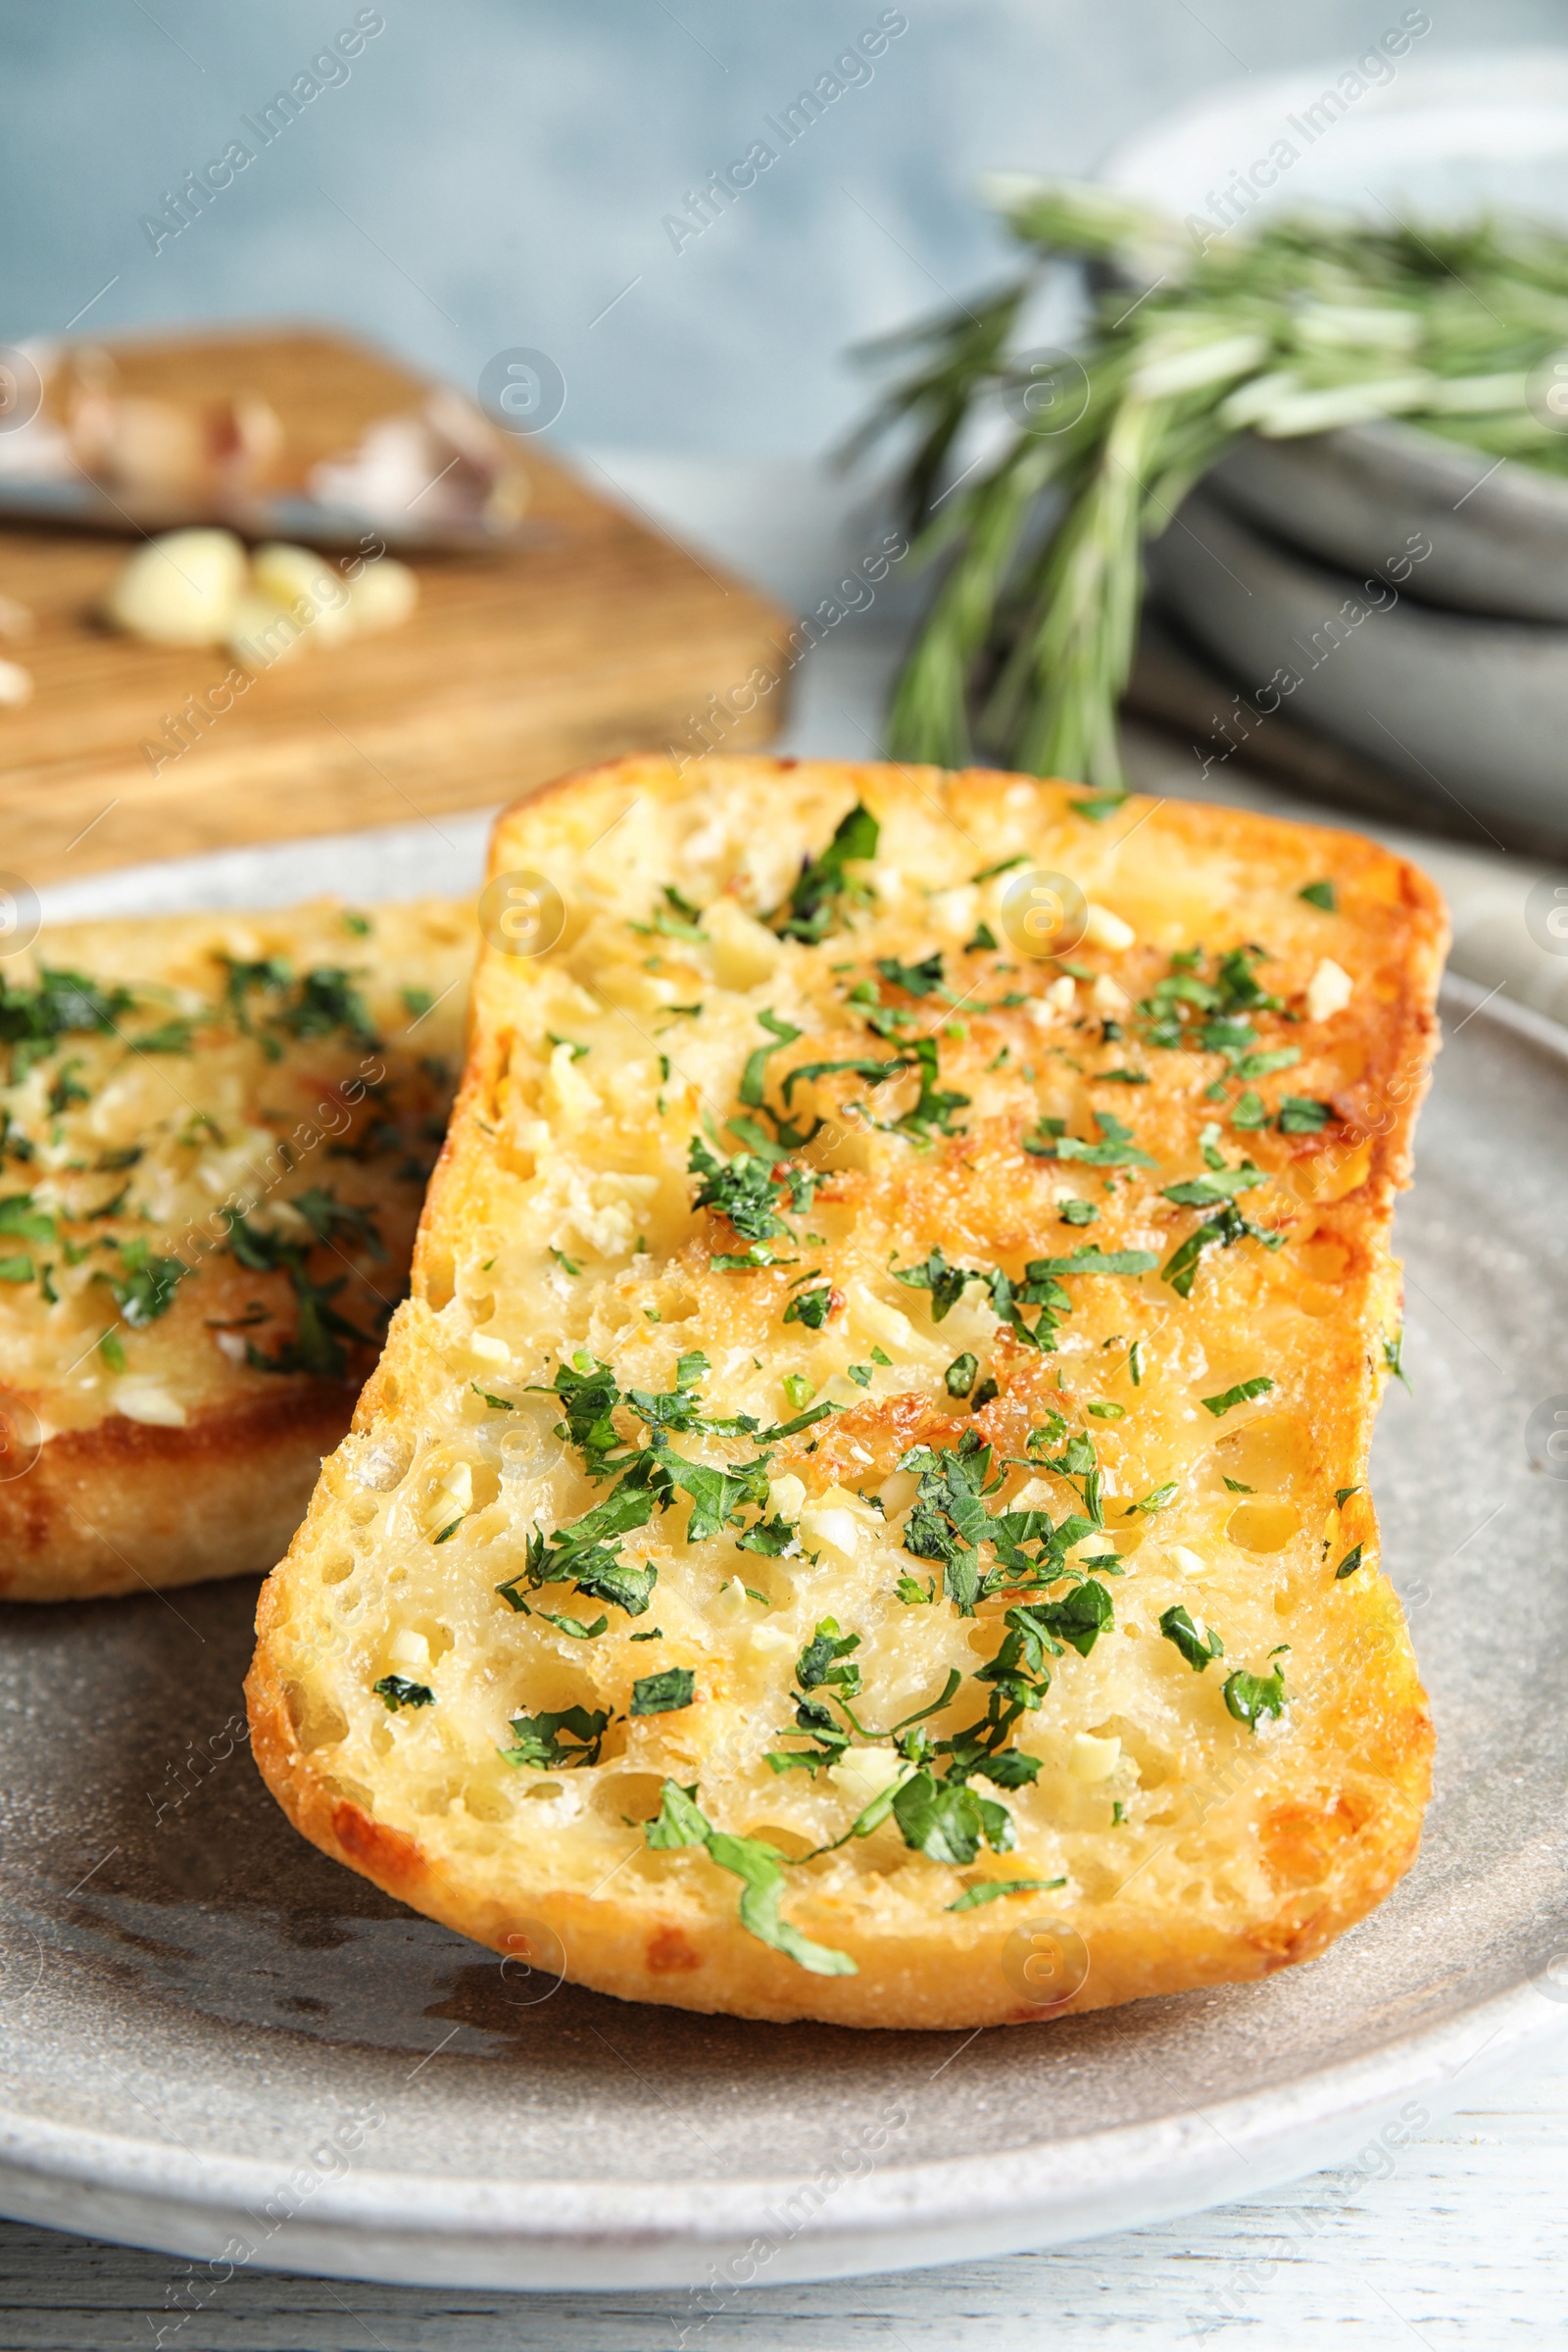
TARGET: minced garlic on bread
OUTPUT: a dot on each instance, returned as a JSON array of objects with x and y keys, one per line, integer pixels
[
  {"x": 214, "y": 1134},
  {"x": 864, "y": 1514}
]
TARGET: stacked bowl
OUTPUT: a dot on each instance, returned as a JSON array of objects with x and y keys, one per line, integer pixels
[{"x": 1401, "y": 593}]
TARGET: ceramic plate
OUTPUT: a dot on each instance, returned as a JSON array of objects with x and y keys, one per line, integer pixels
[{"x": 218, "y": 2042}]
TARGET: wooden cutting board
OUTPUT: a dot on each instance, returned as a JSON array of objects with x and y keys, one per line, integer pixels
[{"x": 599, "y": 636}]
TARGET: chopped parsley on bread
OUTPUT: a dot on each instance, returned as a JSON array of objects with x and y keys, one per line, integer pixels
[
  {"x": 870, "y": 1485},
  {"x": 214, "y": 1136}
]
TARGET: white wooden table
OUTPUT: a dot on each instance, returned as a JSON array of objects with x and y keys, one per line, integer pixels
[{"x": 1460, "y": 2238}]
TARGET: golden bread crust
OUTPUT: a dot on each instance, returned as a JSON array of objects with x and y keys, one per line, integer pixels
[{"x": 119, "y": 1507}]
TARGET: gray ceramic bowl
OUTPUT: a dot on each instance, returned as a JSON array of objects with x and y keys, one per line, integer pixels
[
  {"x": 1498, "y": 534},
  {"x": 1438, "y": 134},
  {"x": 1471, "y": 709}
]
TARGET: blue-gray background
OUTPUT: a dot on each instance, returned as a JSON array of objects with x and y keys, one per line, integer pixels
[{"x": 495, "y": 171}]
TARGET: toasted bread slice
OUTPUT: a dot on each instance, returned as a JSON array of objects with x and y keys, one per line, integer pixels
[
  {"x": 216, "y": 1131},
  {"x": 863, "y": 1515}
]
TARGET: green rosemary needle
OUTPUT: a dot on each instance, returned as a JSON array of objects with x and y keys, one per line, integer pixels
[{"x": 1310, "y": 323}]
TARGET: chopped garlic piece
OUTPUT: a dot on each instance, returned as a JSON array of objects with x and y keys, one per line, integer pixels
[
  {"x": 897, "y": 1491},
  {"x": 956, "y": 910},
  {"x": 487, "y": 1349},
  {"x": 839, "y": 1530},
  {"x": 892, "y": 1331},
  {"x": 610, "y": 1221},
  {"x": 863, "y": 1773},
  {"x": 745, "y": 953},
  {"x": 567, "y": 1092},
  {"x": 634, "y": 1088},
  {"x": 734, "y": 1604},
  {"x": 772, "y": 1642},
  {"x": 1106, "y": 996},
  {"x": 786, "y": 1496},
  {"x": 1090, "y": 1760},
  {"x": 706, "y": 844},
  {"x": 1102, "y": 929},
  {"x": 408, "y": 1647},
  {"x": 141, "y": 1399},
  {"x": 1201, "y": 1630},
  {"x": 1328, "y": 990},
  {"x": 453, "y": 1497},
  {"x": 1185, "y": 1562},
  {"x": 1053, "y": 1002}
]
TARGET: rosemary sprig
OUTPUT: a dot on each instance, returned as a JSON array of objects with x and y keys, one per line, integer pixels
[{"x": 1311, "y": 324}]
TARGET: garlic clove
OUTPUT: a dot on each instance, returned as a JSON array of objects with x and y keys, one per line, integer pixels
[
  {"x": 181, "y": 589},
  {"x": 305, "y": 584},
  {"x": 382, "y": 596}
]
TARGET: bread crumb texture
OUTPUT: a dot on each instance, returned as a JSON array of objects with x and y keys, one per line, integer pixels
[
  {"x": 863, "y": 1515},
  {"x": 214, "y": 1136}
]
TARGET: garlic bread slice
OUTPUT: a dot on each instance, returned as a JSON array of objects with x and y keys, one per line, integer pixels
[
  {"x": 863, "y": 1515},
  {"x": 214, "y": 1134}
]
